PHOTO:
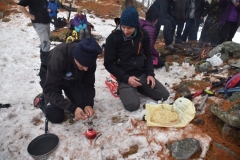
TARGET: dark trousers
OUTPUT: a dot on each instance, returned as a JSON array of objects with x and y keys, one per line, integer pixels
[
  {"x": 180, "y": 26},
  {"x": 42, "y": 55},
  {"x": 130, "y": 97},
  {"x": 168, "y": 30},
  {"x": 228, "y": 31},
  {"x": 190, "y": 30},
  {"x": 73, "y": 93},
  {"x": 161, "y": 63}
]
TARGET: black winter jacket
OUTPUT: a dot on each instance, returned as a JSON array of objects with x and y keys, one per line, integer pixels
[
  {"x": 60, "y": 71},
  {"x": 164, "y": 7},
  {"x": 38, "y": 8},
  {"x": 181, "y": 10},
  {"x": 125, "y": 58}
]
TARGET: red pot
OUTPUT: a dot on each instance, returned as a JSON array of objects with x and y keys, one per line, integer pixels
[{"x": 90, "y": 133}]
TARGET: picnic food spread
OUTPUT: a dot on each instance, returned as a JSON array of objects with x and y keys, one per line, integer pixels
[{"x": 164, "y": 115}]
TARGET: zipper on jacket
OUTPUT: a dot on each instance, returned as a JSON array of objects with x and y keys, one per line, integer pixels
[{"x": 139, "y": 47}]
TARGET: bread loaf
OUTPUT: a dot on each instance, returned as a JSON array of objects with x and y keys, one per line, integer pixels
[{"x": 164, "y": 116}]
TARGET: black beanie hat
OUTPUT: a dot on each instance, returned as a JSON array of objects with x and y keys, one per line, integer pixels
[
  {"x": 86, "y": 52},
  {"x": 130, "y": 17}
]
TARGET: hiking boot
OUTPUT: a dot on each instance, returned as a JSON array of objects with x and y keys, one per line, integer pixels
[
  {"x": 178, "y": 41},
  {"x": 38, "y": 100},
  {"x": 5, "y": 105},
  {"x": 170, "y": 47}
]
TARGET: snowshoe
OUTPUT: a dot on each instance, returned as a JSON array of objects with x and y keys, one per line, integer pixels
[{"x": 112, "y": 85}]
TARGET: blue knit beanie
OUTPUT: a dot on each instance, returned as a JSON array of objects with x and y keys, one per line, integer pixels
[
  {"x": 86, "y": 52},
  {"x": 129, "y": 17}
]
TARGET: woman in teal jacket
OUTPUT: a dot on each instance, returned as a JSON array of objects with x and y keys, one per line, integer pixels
[{"x": 80, "y": 25}]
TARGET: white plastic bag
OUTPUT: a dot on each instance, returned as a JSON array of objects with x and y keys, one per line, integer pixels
[{"x": 215, "y": 60}]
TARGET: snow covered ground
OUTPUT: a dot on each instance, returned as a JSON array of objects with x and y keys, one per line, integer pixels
[{"x": 21, "y": 123}]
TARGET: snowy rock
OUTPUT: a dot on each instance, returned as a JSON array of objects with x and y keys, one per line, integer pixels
[
  {"x": 188, "y": 60},
  {"x": 235, "y": 96},
  {"x": 203, "y": 66},
  {"x": 6, "y": 19},
  {"x": 230, "y": 117},
  {"x": 185, "y": 148},
  {"x": 60, "y": 35},
  {"x": 226, "y": 49}
]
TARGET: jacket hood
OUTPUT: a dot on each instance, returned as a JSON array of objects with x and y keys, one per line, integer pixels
[{"x": 144, "y": 23}]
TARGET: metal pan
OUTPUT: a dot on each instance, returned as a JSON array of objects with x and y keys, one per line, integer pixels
[{"x": 41, "y": 146}]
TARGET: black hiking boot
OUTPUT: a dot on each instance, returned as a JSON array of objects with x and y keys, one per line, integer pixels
[{"x": 5, "y": 105}]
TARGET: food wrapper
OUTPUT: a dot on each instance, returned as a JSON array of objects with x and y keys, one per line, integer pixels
[{"x": 164, "y": 115}]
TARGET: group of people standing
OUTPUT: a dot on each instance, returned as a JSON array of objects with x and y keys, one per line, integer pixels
[{"x": 176, "y": 13}]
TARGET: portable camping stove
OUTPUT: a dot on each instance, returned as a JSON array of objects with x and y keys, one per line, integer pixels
[{"x": 90, "y": 133}]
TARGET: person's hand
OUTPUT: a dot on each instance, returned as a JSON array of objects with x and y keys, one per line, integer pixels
[
  {"x": 79, "y": 114},
  {"x": 32, "y": 17},
  {"x": 152, "y": 80},
  {"x": 49, "y": 10},
  {"x": 236, "y": 4},
  {"x": 89, "y": 111},
  {"x": 134, "y": 81}
]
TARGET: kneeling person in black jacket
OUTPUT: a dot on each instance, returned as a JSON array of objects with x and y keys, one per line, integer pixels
[{"x": 70, "y": 67}]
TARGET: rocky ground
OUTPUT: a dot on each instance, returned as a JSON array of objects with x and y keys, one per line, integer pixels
[{"x": 225, "y": 136}]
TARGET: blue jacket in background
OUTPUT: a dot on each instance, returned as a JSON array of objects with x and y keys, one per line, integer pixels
[{"x": 53, "y": 6}]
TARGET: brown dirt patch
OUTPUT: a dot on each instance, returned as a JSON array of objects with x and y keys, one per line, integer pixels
[
  {"x": 107, "y": 8},
  {"x": 8, "y": 7}
]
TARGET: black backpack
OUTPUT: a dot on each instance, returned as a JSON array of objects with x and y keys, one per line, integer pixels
[{"x": 61, "y": 22}]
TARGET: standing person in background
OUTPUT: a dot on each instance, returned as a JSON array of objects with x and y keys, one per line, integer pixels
[
  {"x": 198, "y": 9},
  {"x": 180, "y": 13},
  {"x": 53, "y": 9},
  {"x": 41, "y": 21},
  {"x": 164, "y": 7},
  {"x": 128, "y": 57},
  {"x": 152, "y": 17},
  {"x": 230, "y": 19},
  {"x": 81, "y": 25}
]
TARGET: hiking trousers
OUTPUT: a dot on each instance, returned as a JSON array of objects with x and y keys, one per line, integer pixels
[
  {"x": 228, "y": 31},
  {"x": 84, "y": 33},
  {"x": 43, "y": 31},
  {"x": 168, "y": 30},
  {"x": 74, "y": 94},
  {"x": 190, "y": 30},
  {"x": 130, "y": 97}
]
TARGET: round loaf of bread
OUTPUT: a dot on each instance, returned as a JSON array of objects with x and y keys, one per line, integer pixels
[{"x": 163, "y": 116}]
